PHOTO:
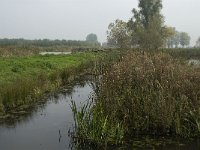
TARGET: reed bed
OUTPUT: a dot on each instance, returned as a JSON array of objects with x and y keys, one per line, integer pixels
[{"x": 142, "y": 94}]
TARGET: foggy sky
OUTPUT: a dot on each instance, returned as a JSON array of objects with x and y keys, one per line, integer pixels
[{"x": 74, "y": 19}]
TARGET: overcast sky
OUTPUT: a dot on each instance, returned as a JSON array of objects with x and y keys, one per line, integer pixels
[{"x": 74, "y": 19}]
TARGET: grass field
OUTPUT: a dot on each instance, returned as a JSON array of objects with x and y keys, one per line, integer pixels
[
  {"x": 24, "y": 79},
  {"x": 17, "y": 67}
]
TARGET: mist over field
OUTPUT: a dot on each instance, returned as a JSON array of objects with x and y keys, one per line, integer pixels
[
  {"x": 74, "y": 19},
  {"x": 99, "y": 74}
]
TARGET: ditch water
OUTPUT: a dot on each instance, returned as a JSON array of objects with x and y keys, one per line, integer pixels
[
  {"x": 55, "y": 53},
  {"x": 194, "y": 62},
  {"x": 47, "y": 126}
]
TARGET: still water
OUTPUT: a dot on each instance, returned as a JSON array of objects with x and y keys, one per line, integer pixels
[
  {"x": 47, "y": 126},
  {"x": 55, "y": 53},
  {"x": 194, "y": 62}
]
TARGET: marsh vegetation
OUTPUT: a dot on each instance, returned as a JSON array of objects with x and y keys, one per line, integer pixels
[
  {"x": 145, "y": 81},
  {"x": 24, "y": 80},
  {"x": 144, "y": 94},
  {"x": 152, "y": 91}
]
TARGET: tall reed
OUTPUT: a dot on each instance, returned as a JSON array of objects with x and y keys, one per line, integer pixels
[{"x": 147, "y": 94}]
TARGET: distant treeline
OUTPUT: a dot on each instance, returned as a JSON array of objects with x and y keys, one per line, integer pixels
[{"x": 47, "y": 43}]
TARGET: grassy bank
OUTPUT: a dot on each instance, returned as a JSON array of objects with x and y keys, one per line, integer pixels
[
  {"x": 23, "y": 80},
  {"x": 143, "y": 94},
  {"x": 186, "y": 53},
  {"x": 22, "y": 51}
]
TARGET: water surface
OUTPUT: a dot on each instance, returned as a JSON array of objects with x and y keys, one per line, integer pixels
[
  {"x": 194, "y": 62},
  {"x": 55, "y": 53},
  {"x": 46, "y": 128}
]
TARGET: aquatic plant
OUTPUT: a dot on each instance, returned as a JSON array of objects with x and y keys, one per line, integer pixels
[{"x": 92, "y": 126}]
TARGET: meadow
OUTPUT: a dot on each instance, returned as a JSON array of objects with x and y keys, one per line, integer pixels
[{"x": 23, "y": 80}]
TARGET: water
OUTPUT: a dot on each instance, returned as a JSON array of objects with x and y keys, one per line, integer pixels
[
  {"x": 194, "y": 62},
  {"x": 47, "y": 128},
  {"x": 55, "y": 53}
]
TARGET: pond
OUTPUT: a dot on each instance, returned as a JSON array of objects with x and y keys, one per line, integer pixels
[
  {"x": 55, "y": 53},
  {"x": 47, "y": 127}
]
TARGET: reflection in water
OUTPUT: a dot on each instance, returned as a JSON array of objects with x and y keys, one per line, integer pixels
[
  {"x": 55, "y": 53},
  {"x": 45, "y": 127},
  {"x": 147, "y": 144}
]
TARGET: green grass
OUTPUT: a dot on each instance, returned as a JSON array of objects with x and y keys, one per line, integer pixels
[
  {"x": 23, "y": 80},
  {"x": 17, "y": 67},
  {"x": 91, "y": 125}
]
